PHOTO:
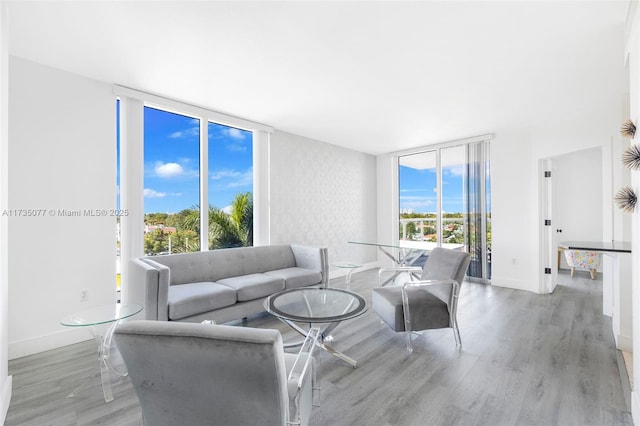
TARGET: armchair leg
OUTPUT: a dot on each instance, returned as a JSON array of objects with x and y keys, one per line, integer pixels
[
  {"x": 456, "y": 330},
  {"x": 456, "y": 335},
  {"x": 409, "y": 344}
]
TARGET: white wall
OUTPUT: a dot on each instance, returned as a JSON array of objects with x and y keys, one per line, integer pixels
[
  {"x": 515, "y": 189},
  {"x": 5, "y": 379},
  {"x": 322, "y": 195},
  {"x": 514, "y": 211},
  {"x": 632, "y": 53},
  {"x": 62, "y": 148}
]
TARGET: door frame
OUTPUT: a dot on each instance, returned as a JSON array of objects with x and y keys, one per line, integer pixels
[{"x": 548, "y": 234}]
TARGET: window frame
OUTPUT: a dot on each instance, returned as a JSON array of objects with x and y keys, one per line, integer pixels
[
  {"x": 132, "y": 103},
  {"x": 437, "y": 148}
]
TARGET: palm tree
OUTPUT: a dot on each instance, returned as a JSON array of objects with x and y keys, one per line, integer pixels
[
  {"x": 234, "y": 229},
  {"x": 242, "y": 217}
]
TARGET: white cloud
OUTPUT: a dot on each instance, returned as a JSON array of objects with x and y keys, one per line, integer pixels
[
  {"x": 186, "y": 133},
  {"x": 416, "y": 202},
  {"x": 150, "y": 193},
  {"x": 425, "y": 190},
  {"x": 229, "y": 178},
  {"x": 234, "y": 133},
  {"x": 224, "y": 174},
  {"x": 168, "y": 170},
  {"x": 457, "y": 170},
  {"x": 236, "y": 147}
]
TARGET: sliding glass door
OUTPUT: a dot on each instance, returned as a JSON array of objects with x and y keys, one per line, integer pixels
[{"x": 444, "y": 201}]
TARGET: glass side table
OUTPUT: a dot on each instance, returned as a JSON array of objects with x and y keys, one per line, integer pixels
[
  {"x": 92, "y": 318},
  {"x": 350, "y": 267}
]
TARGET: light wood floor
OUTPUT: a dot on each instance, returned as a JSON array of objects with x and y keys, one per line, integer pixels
[{"x": 526, "y": 360}]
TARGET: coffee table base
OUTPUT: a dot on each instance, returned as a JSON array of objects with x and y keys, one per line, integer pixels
[{"x": 324, "y": 335}]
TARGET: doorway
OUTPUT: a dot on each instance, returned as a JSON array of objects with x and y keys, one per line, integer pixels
[{"x": 571, "y": 188}]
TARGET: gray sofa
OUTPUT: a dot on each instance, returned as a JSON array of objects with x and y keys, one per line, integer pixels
[{"x": 221, "y": 285}]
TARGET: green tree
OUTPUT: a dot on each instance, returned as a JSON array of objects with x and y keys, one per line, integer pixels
[
  {"x": 184, "y": 241},
  {"x": 155, "y": 242},
  {"x": 234, "y": 229}
]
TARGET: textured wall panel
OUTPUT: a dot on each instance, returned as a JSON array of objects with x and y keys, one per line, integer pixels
[{"x": 322, "y": 195}]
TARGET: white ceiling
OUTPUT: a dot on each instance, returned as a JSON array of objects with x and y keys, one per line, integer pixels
[{"x": 372, "y": 76}]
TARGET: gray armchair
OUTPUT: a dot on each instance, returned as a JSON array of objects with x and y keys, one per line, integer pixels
[
  {"x": 202, "y": 374},
  {"x": 425, "y": 303}
]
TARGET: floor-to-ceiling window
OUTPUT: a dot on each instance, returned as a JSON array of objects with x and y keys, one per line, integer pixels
[
  {"x": 443, "y": 200},
  {"x": 171, "y": 182},
  {"x": 173, "y": 185},
  {"x": 417, "y": 175},
  {"x": 230, "y": 153},
  {"x": 189, "y": 178},
  {"x": 190, "y": 160}
]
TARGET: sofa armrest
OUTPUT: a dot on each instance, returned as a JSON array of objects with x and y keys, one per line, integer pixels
[
  {"x": 141, "y": 277},
  {"x": 160, "y": 293},
  {"x": 315, "y": 258},
  {"x": 148, "y": 285}
]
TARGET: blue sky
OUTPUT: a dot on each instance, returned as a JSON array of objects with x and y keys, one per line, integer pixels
[
  {"x": 417, "y": 176},
  {"x": 417, "y": 189},
  {"x": 172, "y": 162},
  {"x": 172, "y": 157}
]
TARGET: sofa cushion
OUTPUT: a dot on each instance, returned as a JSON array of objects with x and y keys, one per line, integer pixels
[
  {"x": 427, "y": 309},
  {"x": 254, "y": 286},
  {"x": 195, "y": 298},
  {"x": 297, "y": 277}
]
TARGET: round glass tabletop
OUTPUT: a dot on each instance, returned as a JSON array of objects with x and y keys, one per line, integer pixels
[
  {"x": 100, "y": 315},
  {"x": 316, "y": 304}
]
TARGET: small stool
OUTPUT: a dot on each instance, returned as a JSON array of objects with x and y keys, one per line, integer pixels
[{"x": 583, "y": 259}]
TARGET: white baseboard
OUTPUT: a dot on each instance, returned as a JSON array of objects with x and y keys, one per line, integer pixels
[
  {"x": 635, "y": 407},
  {"x": 624, "y": 343},
  {"x": 56, "y": 340},
  {"x": 6, "y": 398}
]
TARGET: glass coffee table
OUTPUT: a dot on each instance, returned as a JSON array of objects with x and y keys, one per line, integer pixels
[
  {"x": 92, "y": 318},
  {"x": 328, "y": 306}
]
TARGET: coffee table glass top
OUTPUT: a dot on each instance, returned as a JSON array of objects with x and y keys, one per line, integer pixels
[
  {"x": 100, "y": 315},
  {"x": 316, "y": 304}
]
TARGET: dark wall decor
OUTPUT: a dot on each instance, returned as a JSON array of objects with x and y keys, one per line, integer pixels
[
  {"x": 628, "y": 129},
  {"x": 626, "y": 199},
  {"x": 631, "y": 157}
]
